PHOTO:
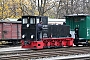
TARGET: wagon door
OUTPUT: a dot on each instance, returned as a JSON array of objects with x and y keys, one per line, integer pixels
[
  {"x": 19, "y": 31},
  {"x": 14, "y": 31},
  {"x": 82, "y": 27},
  {"x": 0, "y": 30},
  {"x": 7, "y": 31}
]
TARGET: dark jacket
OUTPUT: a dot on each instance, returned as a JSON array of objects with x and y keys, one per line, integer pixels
[{"x": 39, "y": 27}]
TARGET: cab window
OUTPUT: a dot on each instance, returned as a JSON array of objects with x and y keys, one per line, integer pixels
[
  {"x": 32, "y": 20},
  {"x": 25, "y": 21}
]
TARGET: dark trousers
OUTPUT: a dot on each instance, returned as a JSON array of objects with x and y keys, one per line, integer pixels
[{"x": 38, "y": 36}]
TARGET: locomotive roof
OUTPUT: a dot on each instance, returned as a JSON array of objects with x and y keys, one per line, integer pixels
[
  {"x": 32, "y": 16},
  {"x": 78, "y": 15}
]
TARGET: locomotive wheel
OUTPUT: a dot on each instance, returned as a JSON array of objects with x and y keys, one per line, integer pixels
[
  {"x": 85, "y": 45},
  {"x": 15, "y": 43}
]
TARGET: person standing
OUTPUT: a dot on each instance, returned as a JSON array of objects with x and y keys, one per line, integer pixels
[{"x": 39, "y": 29}]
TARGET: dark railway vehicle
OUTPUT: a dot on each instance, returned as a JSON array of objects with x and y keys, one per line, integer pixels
[
  {"x": 51, "y": 36},
  {"x": 10, "y": 31}
]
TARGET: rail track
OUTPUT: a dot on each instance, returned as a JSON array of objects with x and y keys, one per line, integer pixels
[
  {"x": 45, "y": 53},
  {"x": 8, "y": 45}
]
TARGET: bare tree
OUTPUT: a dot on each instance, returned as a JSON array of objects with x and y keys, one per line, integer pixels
[
  {"x": 51, "y": 8},
  {"x": 72, "y": 7},
  {"x": 44, "y": 6}
]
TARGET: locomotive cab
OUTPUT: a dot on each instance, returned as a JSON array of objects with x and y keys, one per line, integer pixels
[{"x": 29, "y": 31}]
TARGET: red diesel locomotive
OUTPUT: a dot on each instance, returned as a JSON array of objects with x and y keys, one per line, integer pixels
[{"x": 51, "y": 35}]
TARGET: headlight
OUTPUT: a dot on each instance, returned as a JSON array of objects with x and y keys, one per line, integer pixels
[
  {"x": 27, "y": 25},
  {"x": 23, "y": 36},
  {"x": 32, "y": 36}
]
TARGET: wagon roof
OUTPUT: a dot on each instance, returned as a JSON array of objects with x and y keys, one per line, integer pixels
[
  {"x": 78, "y": 15},
  {"x": 3, "y": 21}
]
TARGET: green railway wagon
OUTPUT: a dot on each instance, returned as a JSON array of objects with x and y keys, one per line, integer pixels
[{"x": 82, "y": 22}]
